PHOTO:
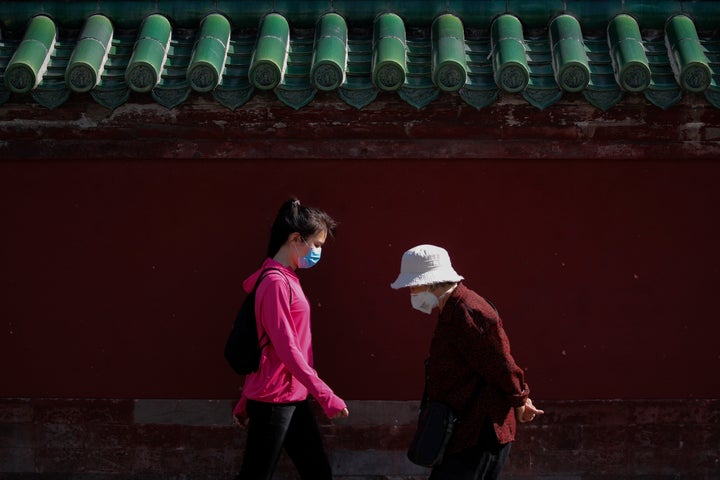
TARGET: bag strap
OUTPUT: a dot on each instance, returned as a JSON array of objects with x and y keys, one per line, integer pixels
[{"x": 264, "y": 274}]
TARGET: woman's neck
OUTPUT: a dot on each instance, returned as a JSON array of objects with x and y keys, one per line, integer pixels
[
  {"x": 284, "y": 258},
  {"x": 442, "y": 299}
]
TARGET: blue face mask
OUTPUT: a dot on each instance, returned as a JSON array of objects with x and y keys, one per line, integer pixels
[{"x": 312, "y": 257}]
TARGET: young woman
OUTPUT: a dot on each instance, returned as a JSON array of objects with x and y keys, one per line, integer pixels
[{"x": 274, "y": 405}]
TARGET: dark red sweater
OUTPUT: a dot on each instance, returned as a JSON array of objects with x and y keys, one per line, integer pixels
[{"x": 471, "y": 369}]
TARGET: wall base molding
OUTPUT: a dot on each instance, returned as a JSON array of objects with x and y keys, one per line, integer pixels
[{"x": 149, "y": 439}]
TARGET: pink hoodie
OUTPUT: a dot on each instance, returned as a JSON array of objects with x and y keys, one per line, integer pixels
[{"x": 286, "y": 371}]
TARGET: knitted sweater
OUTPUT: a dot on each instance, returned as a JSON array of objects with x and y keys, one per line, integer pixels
[{"x": 471, "y": 369}]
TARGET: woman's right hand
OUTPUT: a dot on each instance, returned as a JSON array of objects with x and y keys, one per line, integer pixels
[{"x": 527, "y": 412}]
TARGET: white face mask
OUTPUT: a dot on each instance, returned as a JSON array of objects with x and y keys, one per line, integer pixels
[{"x": 424, "y": 301}]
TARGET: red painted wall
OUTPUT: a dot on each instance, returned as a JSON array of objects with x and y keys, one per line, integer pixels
[{"x": 121, "y": 279}]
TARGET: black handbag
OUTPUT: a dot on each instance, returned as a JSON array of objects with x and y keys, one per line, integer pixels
[{"x": 435, "y": 427}]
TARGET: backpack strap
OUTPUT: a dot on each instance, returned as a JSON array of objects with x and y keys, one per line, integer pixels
[{"x": 264, "y": 274}]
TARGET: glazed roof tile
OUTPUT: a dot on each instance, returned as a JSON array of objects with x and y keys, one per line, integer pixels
[{"x": 420, "y": 50}]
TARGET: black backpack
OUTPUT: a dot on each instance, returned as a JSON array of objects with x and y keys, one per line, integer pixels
[{"x": 243, "y": 347}]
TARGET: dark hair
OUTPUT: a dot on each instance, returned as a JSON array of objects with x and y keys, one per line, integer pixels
[{"x": 293, "y": 217}]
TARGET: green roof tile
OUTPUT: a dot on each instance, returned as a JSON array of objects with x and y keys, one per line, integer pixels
[
  {"x": 449, "y": 62},
  {"x": 631, "y": 66},
  {"x": 419, "y": 49},
  {"x": 90, "y": 54},
  {"x": 510, "y": 60},
  {"x": 209, "y": 53},
  {"x": 390, "y": 50}
]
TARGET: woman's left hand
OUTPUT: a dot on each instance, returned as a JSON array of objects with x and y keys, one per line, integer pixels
[
  {"x": 241, "y": 420},
  {"x": 342, "y": 413}
]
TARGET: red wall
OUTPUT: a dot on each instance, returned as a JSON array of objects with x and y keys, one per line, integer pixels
[{"x": 121, "y": 279}]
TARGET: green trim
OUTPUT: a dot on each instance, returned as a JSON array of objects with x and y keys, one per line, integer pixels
[
  {"x": 688, "y": 60},
  {"x": 51, "y": 97},
  {"x": 389, "y": 65},
  {"x": 208, "y": 58},
  {"x": 90, "y": 53},
  {"x": 603, "y": 99},
  {"x": 510, "y": 65},
  {"x": 148, "y": 58},
  {"x": 27, "y": 65},
  {"x": 570, "y": 62},
  {"x": 663, "y": 98}
]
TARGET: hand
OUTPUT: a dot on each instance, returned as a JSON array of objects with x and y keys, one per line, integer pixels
[
  {"x": 241, "y": 420},
  {"x": 527, "y": 412},
  {"x": 341, "y": 414}
]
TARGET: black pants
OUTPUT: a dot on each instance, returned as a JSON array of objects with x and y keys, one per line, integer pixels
[
  {"x": 273, "y": 427},
  {"x": 476, "y": 463}
]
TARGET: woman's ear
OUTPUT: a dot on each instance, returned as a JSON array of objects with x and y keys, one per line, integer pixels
[{"x": 294, "y": 237}]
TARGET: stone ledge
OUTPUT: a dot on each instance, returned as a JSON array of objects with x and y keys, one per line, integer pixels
[
  {"x": 183, "y": 412},
  {"x": 85, "y": 439}
]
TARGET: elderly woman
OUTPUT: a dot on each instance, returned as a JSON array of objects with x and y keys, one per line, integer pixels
[{"x": 469, "y": 368}]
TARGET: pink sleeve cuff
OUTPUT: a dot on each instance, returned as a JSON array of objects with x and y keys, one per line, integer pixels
[{"x": 335, "y": 406}]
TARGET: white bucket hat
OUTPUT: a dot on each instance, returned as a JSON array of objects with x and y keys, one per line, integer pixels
[{"x": 425, "y": 265}]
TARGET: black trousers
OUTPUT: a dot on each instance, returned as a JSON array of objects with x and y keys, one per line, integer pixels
[
  {"x": 477, "y": 463},
  {"x": 291, "y": 426}
]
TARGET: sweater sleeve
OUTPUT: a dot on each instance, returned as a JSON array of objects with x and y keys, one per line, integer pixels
[
  {"x": 485, "y": 346},
  {"x": 273, "y": 308}
]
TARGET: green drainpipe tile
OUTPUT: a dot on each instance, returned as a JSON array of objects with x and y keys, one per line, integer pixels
[
  {"x": 330, "y": 54},
  {"x": 389, "y": 65},
  {"x": 510, "y": 64},
  {"x": 687, "y": 56},
  {"x": 90, "y": 54},
  {"x": 29, "y": 62},
  {"x": 208, "y": 57},
  {"x": 269, "y": 62},
  {"x": 449, "y": 61},
  {"x": 148, "y": 57},
  {"x": 632, "y": 69},
  {"x": 572, "y": 71}
]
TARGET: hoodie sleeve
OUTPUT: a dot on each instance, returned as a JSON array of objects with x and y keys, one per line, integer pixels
[
  {"x": 273, "y": 309},
  {"x": 240, "y": 407}
]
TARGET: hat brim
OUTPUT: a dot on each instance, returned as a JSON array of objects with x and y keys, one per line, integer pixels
[{"x": 427, "y": 278}]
